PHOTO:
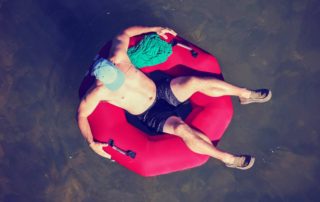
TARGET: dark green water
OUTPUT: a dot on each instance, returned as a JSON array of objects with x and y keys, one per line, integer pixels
[{"x": 46, "y": 46}]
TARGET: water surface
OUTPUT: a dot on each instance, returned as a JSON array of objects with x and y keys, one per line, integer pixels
[{"x": 46, "y": 46}]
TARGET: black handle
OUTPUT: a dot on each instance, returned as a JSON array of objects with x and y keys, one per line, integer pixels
[
  {"x": 129, "y": 153},
  {"x": 174, "y": 42}
]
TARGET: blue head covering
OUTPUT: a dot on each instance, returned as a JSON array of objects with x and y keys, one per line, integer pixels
[{"x": 108, "y": 74}]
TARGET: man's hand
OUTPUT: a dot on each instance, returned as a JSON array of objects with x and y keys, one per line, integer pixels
[
  {"x": 98, "y": 148},
  {"x": 162, "y": 31}
]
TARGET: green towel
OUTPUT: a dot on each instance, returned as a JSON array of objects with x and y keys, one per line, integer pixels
[{"x": 151, "y": 50}]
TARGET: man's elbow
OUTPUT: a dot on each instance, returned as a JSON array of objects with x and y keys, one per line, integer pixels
[
  {"x": 123, "y": 36},
  {"x": 77, "y": 116},
  {"x": 81, "y": 114},
  {"x": 131, "y": 31}
]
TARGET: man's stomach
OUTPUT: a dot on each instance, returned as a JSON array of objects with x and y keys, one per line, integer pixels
[
  {"x": 135, "y": 98},
  {"x": 135, "y": 103}
]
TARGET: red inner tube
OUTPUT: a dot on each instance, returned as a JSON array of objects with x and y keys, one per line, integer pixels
[{"x": 156, "y": 155}]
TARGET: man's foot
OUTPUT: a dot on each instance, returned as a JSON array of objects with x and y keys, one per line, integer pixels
[
  {"x": 258, "y": 96},
  {"x": 242, "y": 162}
]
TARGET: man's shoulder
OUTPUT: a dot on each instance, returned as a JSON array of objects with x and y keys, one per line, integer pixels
[{"x": 94, "y": 92}]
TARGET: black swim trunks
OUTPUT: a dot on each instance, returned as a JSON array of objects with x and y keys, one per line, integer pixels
[{"x": 164, "y": 106}]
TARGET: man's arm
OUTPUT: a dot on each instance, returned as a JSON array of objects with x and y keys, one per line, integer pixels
[
  {"x": 86, "y": 107},
  {"x": 137, "y": 30},
  {"x": 120, "y": 43}
]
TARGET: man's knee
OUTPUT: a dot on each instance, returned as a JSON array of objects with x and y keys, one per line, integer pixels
[
  {"x": 176, "y": 126},
  {"x": 184, "y": 131},
  {"x": 180, "y": 127},
  {"x": 171, "y": 125}
]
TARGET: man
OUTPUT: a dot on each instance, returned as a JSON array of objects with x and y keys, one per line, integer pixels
[{"x": 120, "y": 83}]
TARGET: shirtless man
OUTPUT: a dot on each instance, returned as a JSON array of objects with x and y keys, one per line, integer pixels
[{"x": 120, "y": 83}]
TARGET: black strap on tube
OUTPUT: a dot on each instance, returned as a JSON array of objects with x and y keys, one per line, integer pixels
[
  {"x": 129, "y": 153},
  {"x": 174, "y": 42}
]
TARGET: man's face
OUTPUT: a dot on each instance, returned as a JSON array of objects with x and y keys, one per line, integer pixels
[{"x": 106, "y": 74}]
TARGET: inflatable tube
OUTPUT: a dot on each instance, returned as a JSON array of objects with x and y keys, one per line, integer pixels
[{"x": 157, "y": 155}]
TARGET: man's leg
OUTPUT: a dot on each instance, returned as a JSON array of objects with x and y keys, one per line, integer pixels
[
  {"x": 199, "y": 143},
  {"x": 184, "y": 87}
]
